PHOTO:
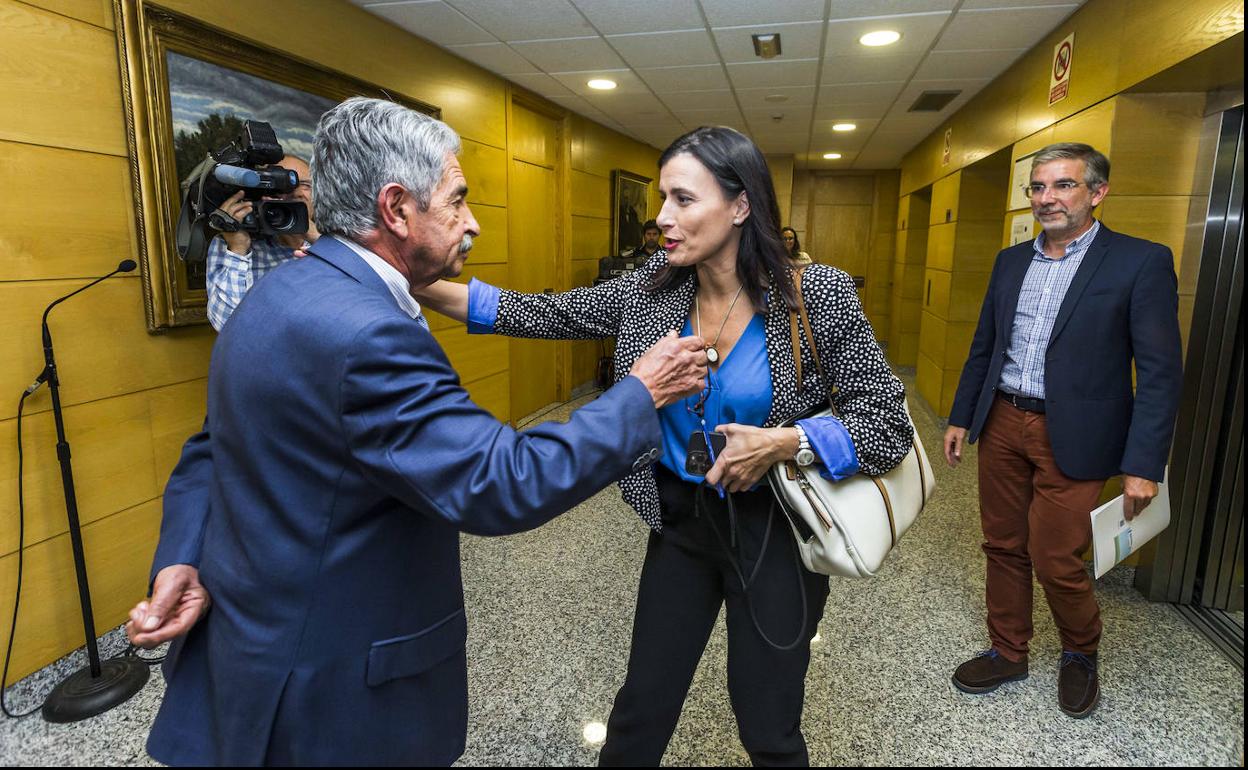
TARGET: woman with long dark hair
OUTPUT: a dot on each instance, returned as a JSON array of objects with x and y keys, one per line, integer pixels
[
  {"x": 716, "y": 535},
  {"x": 794, "y": 246}
]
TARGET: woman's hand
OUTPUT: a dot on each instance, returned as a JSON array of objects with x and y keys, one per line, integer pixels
[{"x": 749, "y": 453}]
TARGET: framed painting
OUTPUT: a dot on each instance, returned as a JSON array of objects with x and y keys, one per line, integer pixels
[
  {"x": 188, "y": 88},
  {"x": 629, "y": 193}
]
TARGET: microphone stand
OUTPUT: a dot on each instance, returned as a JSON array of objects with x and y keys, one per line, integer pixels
[{"x": 101, "y": 685}]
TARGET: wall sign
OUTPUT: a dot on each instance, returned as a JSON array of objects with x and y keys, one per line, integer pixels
[{"x": 1059, "y": 75}]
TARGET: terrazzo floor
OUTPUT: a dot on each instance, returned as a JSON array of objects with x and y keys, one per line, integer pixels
[{"x": 550, "y": 616}]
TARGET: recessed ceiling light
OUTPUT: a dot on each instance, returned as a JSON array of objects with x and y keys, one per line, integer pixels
[
  {"x": 776, "y": 98},
  {"x": 594, "y": 733},
  {"x": 880, "y": 37},
  {"x": 844, "y": 126},
  {"x": 601, "y": 84},
  {"x": 831, "y": 156}
]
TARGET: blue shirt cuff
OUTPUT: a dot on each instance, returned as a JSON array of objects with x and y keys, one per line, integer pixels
[
  {"x": 482, "y": 307},
  {"x": 833, "y": 446}
]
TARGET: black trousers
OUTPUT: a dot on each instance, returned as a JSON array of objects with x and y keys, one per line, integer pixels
[{"x": 686, "y": 577}]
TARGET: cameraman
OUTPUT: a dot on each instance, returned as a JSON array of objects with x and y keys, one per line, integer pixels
[{"x": 235, "y": 262}]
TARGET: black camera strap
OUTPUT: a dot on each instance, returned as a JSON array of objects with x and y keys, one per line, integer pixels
[{"x": 762, "y": 552}]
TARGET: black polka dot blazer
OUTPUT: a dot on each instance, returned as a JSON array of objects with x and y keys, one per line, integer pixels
[{"x": 869, "y": 397}]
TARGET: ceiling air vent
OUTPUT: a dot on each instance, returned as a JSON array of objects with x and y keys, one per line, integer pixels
[{"x": 933, "y": 101}]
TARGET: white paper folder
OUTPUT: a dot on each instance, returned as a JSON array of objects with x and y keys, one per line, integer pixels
[{"x": 1114, "y": 538}]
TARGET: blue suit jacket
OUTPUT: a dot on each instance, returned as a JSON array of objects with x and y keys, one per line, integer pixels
[
  {"x": 324, "y": 514},
  {"x": 1122, "y": 306}
]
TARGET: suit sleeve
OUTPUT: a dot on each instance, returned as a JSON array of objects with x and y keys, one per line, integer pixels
[
  {"x": 185, "y": 506},
  {"x": 417, "y": 435},
  {"x": 971, "y": 382},
  {"x": 1157, "y": 349}
]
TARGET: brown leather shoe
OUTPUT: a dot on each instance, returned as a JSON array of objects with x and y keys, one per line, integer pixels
[
  {"x": 1077, "y": 688},
  {"x": 986, "y": 672}
]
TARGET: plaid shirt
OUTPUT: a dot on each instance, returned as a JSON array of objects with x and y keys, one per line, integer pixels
[
  {"x": 1044, "y": 288},
  {"x": 230, "y": 275}
]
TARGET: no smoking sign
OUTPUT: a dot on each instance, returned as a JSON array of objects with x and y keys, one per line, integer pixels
[{"x": 1059, "y": 77}]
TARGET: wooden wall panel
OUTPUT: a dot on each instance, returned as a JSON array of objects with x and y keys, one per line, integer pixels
[
  {"x": 177, "y": 412},
  {"x": 97, "y": 12},
  {"x": 534, "y": 138},
  {"x": 492, "y": 394},
  {"x": 102, "y": 347},
  {"x": 473, "y": 357},
  {"x": 591, "y": 237},
  {"x": 490, "y": 247},
  {"x": 111, "y": 442},
  {"x": 118, "y": 555},
  {"x": 485, "y": 168},
  {"x": 60, "y": 81},
  {"x": 45, "y": 233},
  {"x": 1149, "y": 127},
  {"x": 591, "y": 195}
]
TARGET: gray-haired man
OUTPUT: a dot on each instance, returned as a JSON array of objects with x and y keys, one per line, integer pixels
[
  {"x": 322, "y": 518},
  {"x": 1047, "y": 387}
]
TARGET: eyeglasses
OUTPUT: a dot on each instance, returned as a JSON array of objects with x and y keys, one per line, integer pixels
[{"x": 1060, "y": 189}]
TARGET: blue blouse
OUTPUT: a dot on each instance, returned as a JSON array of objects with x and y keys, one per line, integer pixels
[{"x": 740, "y": 392}]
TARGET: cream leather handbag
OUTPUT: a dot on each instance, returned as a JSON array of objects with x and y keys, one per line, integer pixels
[{"x": 847, "y": 528}]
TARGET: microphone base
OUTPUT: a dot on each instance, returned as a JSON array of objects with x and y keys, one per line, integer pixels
[{"x": 81, "y": 696}]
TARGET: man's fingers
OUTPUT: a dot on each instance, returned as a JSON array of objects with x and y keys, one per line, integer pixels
[{"x": 165, "y": 596}]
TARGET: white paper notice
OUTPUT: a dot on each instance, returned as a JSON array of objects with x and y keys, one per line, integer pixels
[
  {"x": 1022, "y": 228},
  {"x": 1114, "y": 538}
]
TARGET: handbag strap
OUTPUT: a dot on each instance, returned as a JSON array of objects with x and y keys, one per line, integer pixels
[{"x": 794, "y": 315}]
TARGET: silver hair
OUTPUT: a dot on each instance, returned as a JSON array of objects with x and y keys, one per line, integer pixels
[
  {"x": 1095, "y": 164},
  {"x": 361, "y": 146}
]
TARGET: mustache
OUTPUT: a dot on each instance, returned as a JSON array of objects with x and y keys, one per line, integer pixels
[{"x": 465, "y": 244}]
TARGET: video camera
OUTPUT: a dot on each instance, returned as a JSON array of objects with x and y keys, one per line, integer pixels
[{"x": 247, "y": 164}]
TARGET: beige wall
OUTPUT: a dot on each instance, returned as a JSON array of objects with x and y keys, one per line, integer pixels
[{"x": 131, "y": 398}]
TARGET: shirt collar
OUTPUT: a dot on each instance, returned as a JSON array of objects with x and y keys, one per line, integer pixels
[
  {"x": 395, "y": 281},
  {"x": 1074, "y": 245}
]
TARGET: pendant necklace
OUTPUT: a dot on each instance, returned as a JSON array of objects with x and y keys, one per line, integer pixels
[{"x": 712, "y": 353}]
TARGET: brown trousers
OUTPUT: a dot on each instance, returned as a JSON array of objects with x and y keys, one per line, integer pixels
[{"x": 1034, "y": 516}]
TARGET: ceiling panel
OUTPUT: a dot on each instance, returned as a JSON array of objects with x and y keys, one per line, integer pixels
[
  {"x": 835, "y": 110},
  {"x": 861, "y": 93},
  {"x": 736, "y": 13},
  {"x": 540, "y": 82},
  {"x": 773, "y": 73},
  {"x": 665, "y": 80},
  {"x": 571, "y": 55},
  {"x": 946, "y": 65},
  {"x": 612, "y": 17},
  {"x": 626, "y": 81},
  {"x": 683, "y": 63},
  {"x": 701, "y": 100},
  {"x": 665, "y": 49},
  {"x": 851, "y": 9},
  {"x": 1004, "y": 28},
  {"x": 757, "y": 98},
  {"x": 525, "y": 19},
  {"x": 797, "y": 41},
  {"x": 435, "y": 21},
  {"x": 873, "y": 67},
  {"x": 495, "y": 56},
  {"x": 917, "y": 33}
]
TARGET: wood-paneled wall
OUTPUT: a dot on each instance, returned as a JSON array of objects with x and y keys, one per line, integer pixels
[
  {"x": 130, "y": 398},
  {"x": 848, "y": 220}
]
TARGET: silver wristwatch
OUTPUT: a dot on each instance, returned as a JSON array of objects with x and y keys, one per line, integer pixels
[{"x": 805, "y": 455}]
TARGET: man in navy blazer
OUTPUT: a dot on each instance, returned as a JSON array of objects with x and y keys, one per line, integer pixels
[
  {"x": 319, "y": 513},
  {"x": 1047, "y": 389}
]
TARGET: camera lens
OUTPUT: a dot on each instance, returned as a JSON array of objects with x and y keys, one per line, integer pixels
[{"x": 278, "y": 218}]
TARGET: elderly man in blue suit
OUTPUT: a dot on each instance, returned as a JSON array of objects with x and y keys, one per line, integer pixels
[
  {"x": 319, "y": 513},
  {"x": 1047, "y": 390}
]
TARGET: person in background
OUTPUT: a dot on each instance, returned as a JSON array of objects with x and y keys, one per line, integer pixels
[
  {"x": 650, "y": 243},
  {"x": 1048, "y": 388},
  {"x": 236, "y": 260},
  {"x": 796, "y": 254}
]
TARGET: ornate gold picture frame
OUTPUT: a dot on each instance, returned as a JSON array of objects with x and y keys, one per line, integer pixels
[
  {"x": 629, "y": 193},
  {"x": 149, "y": 39}
]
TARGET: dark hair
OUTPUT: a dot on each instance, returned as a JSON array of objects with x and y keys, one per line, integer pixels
[
  {"x": 738, "y": 166},
  {"x": 651, "y": 225},
  {"x": 797, "y": 244}
]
